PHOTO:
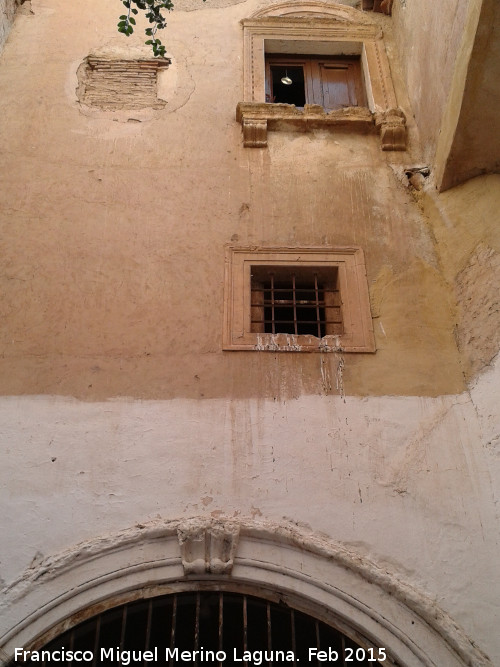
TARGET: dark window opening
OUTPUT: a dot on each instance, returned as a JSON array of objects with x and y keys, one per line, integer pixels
[
  {"x": 302, "y": 300},
  {"x": 205, "y": 622},
  {"x": 333, "y": 82},
  {"x": 288, "y": 85}
]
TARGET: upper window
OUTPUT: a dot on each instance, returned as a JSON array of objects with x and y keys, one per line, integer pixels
[
  {"x": 331, "y": 82},
  {"x": 335, "y": 58}
]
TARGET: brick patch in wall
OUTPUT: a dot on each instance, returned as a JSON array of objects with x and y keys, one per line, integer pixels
[{"x": 112, "y": 84}]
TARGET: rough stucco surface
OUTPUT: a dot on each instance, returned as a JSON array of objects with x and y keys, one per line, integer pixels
[
  {"x": 119, "y": 405},
  {"x": 476, "y": 146},
  {"x": 411, "y": 484},
  {"x": 104, "y": 281},
  {"x": 428, "y": 36},
  {"x": 465, "y": 224}
]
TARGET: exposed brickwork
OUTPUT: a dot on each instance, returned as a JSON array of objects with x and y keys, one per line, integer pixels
[{"x": 120, "y": 84}]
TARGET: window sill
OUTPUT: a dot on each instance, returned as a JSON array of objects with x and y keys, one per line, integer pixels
[{"x": 257, "y": 118}]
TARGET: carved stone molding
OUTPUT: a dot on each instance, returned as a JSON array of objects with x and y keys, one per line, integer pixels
[
  {"x": 383, "y": 6},
  {"x": 208, "y": 547},
  {"x": 392, "y": 126},
  {"x": 257, "y": 117},
  {"x": 254, "y": 131}
]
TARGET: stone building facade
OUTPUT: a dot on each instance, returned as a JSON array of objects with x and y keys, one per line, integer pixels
[{"x": 163, "y": 429}]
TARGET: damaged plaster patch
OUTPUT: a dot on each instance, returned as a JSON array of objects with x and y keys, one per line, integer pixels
[
  {"x": 478, "y": 333},
  {"x": 109, "y": 82}
]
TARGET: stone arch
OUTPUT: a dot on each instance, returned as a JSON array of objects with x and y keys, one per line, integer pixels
[{"x": 310, "y": 571}]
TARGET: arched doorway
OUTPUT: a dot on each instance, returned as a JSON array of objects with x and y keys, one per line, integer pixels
[{"x": 294, "y": 569}]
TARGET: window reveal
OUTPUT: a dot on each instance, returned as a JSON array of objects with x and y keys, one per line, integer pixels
[{"x": 333, "y": 83}]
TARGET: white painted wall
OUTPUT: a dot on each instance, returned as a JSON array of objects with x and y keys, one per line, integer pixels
[{"x": 411, "y": 483}]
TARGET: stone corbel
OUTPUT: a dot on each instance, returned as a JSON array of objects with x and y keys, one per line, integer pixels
[
  {"x": 208, "y": 547},
  {"x": 392, "y": 127},
  {"x": 383, "y": 6},
  {"x": 254, "y": 132}
]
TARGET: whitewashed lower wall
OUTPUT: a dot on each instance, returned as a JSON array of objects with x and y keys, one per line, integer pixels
[{"x": 410, "y": 483}]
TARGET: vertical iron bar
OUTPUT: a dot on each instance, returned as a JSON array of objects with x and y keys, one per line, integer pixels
[
  {"x": 172, "y": 632},
  {"x": 96, "y": 639},
  {"x": 273, "y": 327},
  {"x": 343, "y": 651},
  {"x": 71, "y": 643},
  {"x": 148, "y": 627},
  {"x": 316, "y": 290},
  {"x": 221, "y": 624},
  {"x": 245, "y": 625},
  {"x": 292, "y": 625},
  {"x": 197, "y": 627},
  {"x": 294, "y": 298},
  {"x": 269, "y": 631},
  {"x": 124, "y": 627},
  {"x": 317, "y": 639}
]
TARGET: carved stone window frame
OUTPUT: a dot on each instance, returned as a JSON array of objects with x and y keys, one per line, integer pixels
[
  {"x": 313, "y": 24},
  {"x": 349, "y": 261}
]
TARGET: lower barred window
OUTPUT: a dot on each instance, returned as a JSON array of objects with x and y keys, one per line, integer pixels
[{"x": 296, "y": 300}]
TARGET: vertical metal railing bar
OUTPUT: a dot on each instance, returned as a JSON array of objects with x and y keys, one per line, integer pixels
[
  {"x": 292, "y": 628},
  {"x": 273, "y": 323},
  {"x": 173, "y": 628},
  {"x": 221, "y": 624},
  {"x": 294, "y": 299},
  {"x": 71, "y": 642},
  {"x": 316, "y": 292},
  {"x": 147, "y": 637},
  {"x": 269, "y": 631},
  {"x": 97, "y": 636},
  {"x": 318, "y": 643},
  {"x": 123, "y": 628},
  {"x": 197, "y": 628},
  {"x": 343, "y": 651},
  {"x": 245, "y": 627}
]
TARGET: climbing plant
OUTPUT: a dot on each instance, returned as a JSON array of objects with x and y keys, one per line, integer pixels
[{"x": 154, "y": 11}]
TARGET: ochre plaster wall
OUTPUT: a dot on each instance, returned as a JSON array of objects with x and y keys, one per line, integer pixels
[
  {"x": 115, "y": 229},
  {"x": 476, "y": 144},
  {"x": 465, "y": 223},
  {"x": 429, "y": 36}
]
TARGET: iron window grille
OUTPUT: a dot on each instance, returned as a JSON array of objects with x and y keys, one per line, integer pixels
[
  {"x": 206, "y": 621},
  {"x": 295, "y": 300}
]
